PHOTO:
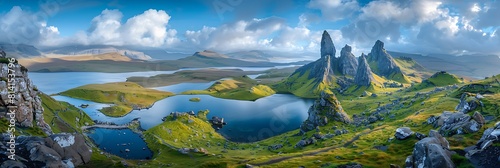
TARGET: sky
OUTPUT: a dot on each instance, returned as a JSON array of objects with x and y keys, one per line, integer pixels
[{"x": 293, "y": 26}]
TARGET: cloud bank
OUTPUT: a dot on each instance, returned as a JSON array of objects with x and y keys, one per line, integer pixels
[{"x": 426, "y": 26}]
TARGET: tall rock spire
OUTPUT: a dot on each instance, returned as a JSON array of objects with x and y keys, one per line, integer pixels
[
  {"x": 347, "y": 61},
  {"x": 385, "y": 65},
  {"x": 364, "y": 74},
  {"x": 327, "y": 47}
]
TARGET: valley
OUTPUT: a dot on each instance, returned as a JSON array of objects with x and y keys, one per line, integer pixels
[{"x": 336, "y": 111}]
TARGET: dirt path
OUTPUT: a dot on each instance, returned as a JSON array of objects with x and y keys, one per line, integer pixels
[{"x": 280, "y": 159}]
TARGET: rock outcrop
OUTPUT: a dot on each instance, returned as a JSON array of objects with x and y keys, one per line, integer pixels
[
  {"x": 57, "y": 150},
  {"x": 433, "y": 152},
  {"x": 326, "y": 108},
  {"x": 327, "y": 47},
  {"x": 452, "y": 123},
  {"x": 468, "y": 102},
  {"x": 29, "y": 104},
  {"x": 347, "y": 61},
  {"x": 364, "y": 76},
  {"x": 486, "y": 152},
  {"x": 383, "y": 61}
]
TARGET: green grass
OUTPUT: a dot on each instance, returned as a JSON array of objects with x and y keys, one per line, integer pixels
[
  {"x": 124, "y": 96},
  {"x": 240, "y": 88},
  {"x": 62, "y": 116},
  {"x": 302, "y": 86},
  {"x": 195, "y": 99}
]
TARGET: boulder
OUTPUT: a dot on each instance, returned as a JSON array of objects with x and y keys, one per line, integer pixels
[
  {"x": 403, "y": 133},
  {"x": 468, "y": 102},
  {"x": 432, "y": 152},
  {"x": 57, "y": 150},
  {"x": 486, "y": 151},
  {"x": 452, "y": 123},
  {"x": 70, "y": 147}
]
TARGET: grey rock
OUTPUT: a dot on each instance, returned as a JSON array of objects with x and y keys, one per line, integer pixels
[
  {"x": 327, "y": 47},
  {"x": 364, "y": 76},
  {"x": 431, "y": 152},
  {"x": 12, "y": 164},
  {"x": 348, "y": 64},
  {"x": 327, "y": 108},
  {"x": 385, "y": 63},
  {"x": 468, "y": 102},
  {"x": 420, "y": 136},
  {"x": 403, "y": 133}
]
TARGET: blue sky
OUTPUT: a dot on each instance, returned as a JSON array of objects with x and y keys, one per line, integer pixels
[{"x": 426, "y": 26}]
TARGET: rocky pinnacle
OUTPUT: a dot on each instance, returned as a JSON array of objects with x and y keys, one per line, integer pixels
[
  {"x": 327, "y": 47},
  {"x": 384, "y": 62},
  {"x": 347, "y": 61},
  {"x": 364, "y": 74}
]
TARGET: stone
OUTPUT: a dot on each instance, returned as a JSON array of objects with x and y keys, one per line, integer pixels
[
  {"x": 403, "y": 133},
  {"x": 348, "y": 64},
  {"x": 364, "y": 76},
  {"x": 420, "y": 136},
  {"x": 327, "y": 108},
  {"x": 485, "y": 153},
  {"x": 384, "y": 61},
  {"x": 432, "y": 151},
  {"x": 327, "y": 47}
]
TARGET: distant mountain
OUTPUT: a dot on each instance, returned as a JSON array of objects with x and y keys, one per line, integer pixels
[
  {"x": 20, "y": 50},
  {"x": 253, "y": 55},
  {"x": 476, "y": 66},
  {"x": 209, "y": 54},
  {"x": 97, "y": 49}
]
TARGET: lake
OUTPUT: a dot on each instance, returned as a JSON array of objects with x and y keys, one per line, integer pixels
[
  {"x": 122, "y": 140},
  {"x": 248, "y": 121}
]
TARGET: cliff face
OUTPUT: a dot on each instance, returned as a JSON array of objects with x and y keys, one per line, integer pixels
[{"x": 29, "y": 105}]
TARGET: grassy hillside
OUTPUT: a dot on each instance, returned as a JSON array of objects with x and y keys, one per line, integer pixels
[
  {"x": 239, "y": 88},
  {"x": 301, "y": 86},
  {"x": 124, "y": 95},
  {"x": 192, "y": 76},
  {"x": 62, "y": 116},
  {"x": 412, "y": 69},
  {"x": 439, "y": 79}
]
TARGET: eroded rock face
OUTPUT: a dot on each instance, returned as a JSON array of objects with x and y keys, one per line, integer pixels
[
  {"x": 29, "y": 104},
  {"x": 384, "y": 61},
  {"x": 364, "y": 74},
  {"x": 485, "y": 153},
  {"x": 348, "y": 64},
  {"x": 432, "y": 152},
  {"x": 326, "y": 108},
  {"x": 57, "y": 150}
]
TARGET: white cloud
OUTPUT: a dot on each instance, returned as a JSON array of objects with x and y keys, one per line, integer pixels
[
  {"x": 146, "y": 29},
  {"x": 335, "y": 9},
  {"x": 20, "y": 26}
]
